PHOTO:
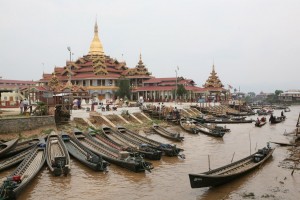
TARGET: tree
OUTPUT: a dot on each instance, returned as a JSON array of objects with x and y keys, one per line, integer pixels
[
  {"x": 278, "y": 92},
  {"x": 181, "y": 91},
  {"x": 124, "y": 88}
]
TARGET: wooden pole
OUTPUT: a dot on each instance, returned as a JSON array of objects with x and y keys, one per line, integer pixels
[
  {"x": 232, "y": 156},
  {"x": 208, "y": 163},
  {"x": 250, "y": 142}
]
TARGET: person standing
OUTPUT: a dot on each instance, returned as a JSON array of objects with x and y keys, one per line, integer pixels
[
  {"x": 79, "y": 104},
  {"x": 21, "y": 106}
]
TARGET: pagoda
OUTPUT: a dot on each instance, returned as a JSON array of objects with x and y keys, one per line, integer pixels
[
  {"x": 97, "y": 72},
  {"x": 214, "y": 87},
  {"x": 213, "y": 80}
]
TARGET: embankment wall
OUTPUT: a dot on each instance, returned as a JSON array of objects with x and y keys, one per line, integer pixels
[{"x": 16, "y": 125}]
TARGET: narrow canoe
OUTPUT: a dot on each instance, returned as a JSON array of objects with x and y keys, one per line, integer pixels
[
  {"x": 83, "y": 154},
  {"x": 120, "y": 158},
  {"x": 167, "y": 134},
  {"x": 231, "y": 171},
  {"x": 13, "y": 160},
  {"x": 146, "y": 152},
  {"x": 58, "y": 158},
  {"x": 168, "y": 149},
  {"x": 25, "y": 172},
  {"x": 7, "y": 146}
]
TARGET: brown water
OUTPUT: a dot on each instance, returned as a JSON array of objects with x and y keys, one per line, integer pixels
[{"x": 169, "y": 179}]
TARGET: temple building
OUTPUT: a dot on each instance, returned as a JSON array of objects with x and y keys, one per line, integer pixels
[
  {"x": 214, "y": 88},
  {"x": 98, "y": 72},
  {"x": 11, "y": 91},
  {"x": 163, "y": 89}
]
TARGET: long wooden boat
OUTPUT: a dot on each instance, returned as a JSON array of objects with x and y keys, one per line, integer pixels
[
  {"x": 260, "y": 124},
  {"x": 83, "y": 154},
  {"x": 275, "y": 120},
  {"x": 7, "y": 146},
  {"x": 209, "y": 131},
  {"x": 58, "y": 158},
  {"x": 229, "y": 172},
  {"x": 167, "y": 134},
  {"x": 13, "y": 160},
  {"x": 21, "y": 146},
  {"x": 145, "y": 151},
  {"x": 188, "y": 126},
  {"x": 210, "y": 125},
  {"x": 227, "y": 121},
  {"x": 25, "y": 172},
  {"x": 167, "y": 149},
  {"x": 123, "y": 159}
]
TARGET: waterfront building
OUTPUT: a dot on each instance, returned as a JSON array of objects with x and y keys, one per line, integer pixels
[
  {"x": 11, "y": 91},
  {"x": 163, "y": 89},
  {"x": 290, "y": 96},
  {"x": 99, "y": 74}
]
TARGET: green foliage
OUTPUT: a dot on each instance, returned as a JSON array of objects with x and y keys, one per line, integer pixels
[
  {"x": 41, "y": 108},
  {"x": 124, "y": 88},
  {"x": 181, "y": 90},
  {"x": 278, "y": 92}
]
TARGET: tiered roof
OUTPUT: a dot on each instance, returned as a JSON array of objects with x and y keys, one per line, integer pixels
[
  {"x": 96, "y": 65},
  {"x": 213, "y": 80}
]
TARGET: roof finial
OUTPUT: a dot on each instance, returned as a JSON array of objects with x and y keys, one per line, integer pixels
[
  {"x": 140, "y": 55},
  {"x": 213, "y": 67},
  {"x": 96, "y": 47},
  {"x": 96, "y": 26}
]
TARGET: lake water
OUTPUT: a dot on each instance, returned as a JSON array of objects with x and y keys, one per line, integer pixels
[{"x": 169, "y": 178}]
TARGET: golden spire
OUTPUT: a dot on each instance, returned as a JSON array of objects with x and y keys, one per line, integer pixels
[{"x": 96, "y": 47}]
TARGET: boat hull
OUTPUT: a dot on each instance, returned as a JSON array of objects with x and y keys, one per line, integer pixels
[{"x": 212, "y": 178}]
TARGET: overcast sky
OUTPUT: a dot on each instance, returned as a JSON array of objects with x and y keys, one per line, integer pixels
[{"x": 254, "y": 44}]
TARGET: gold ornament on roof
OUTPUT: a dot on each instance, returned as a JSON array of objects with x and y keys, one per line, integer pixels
[
  {"x": 213, "y": 80},
  {"x": 54, "y": 82},
  {"x": 96, "y": 47},
  {"x": 99, "y": 65},
  {"x": 140, "y": 69}
]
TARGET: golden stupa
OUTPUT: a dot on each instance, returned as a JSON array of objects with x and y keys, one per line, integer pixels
[{"x": 96, "y": 47}]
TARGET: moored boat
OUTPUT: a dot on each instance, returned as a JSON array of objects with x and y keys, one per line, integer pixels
[
  {"x": 7, "y": 146},
  {"x": 130, "y": 146},
  {"x": 186, "y": 125},
  {"x": 167, "y": 134},
  {"x": 231, "y": 171},
  {"x": 168, "y": 149},
  {"x": 58, "y": 158},
  {"x": 209, "y": 130},
  {"x": 21, "y": 146},
  {"x": 228, "y": 121},
  {"x": 83, "y": 154},
  {"x": 123, "y": 159},
  {"x": 25, "y": 172},
  {"x": 13, "y": 160}
]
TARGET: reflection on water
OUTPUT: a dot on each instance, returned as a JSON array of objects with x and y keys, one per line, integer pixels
[{"x": 169, "y": 179}]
